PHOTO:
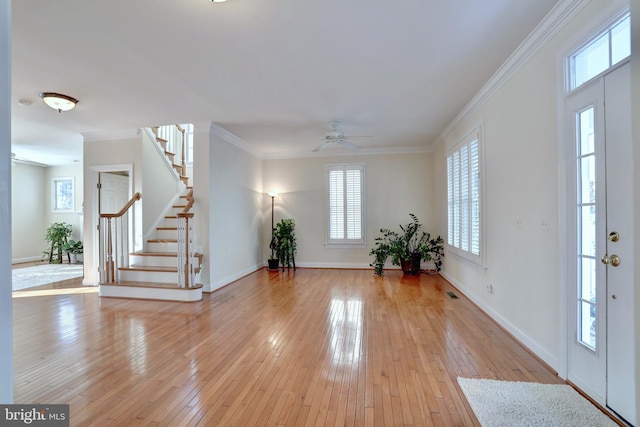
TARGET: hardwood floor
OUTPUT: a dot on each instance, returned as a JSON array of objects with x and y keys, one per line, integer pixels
[{"x": 314, "y": 347}]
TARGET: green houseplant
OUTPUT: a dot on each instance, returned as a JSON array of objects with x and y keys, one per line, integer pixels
[
  {"x": 284, "y": 243},
  {"x": 74, "y": 249},
  {"x": 57, "y": 236},
  {"x": 407, "y": 248}
]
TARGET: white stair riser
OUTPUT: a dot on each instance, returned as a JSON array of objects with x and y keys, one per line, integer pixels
[
  {"x": 149, "y": 276},
  {"x": 162, "y": 247},
  {"x": 166, "y": 234},
  {"x": 170, "y": 222},
  {"x": 152, "y": 261}
]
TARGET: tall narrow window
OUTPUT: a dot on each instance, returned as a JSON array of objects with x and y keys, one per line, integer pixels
[
  {"x": 464, "y": 235},
  {"x": 345, "y": 202},
  {"x": 188, "y": 139}
]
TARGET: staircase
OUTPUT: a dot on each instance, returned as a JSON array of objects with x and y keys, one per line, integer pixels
[{"x": 155, "y": 273}]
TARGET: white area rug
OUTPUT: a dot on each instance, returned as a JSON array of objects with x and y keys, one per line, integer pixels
[
  {"x": 43, "y": 274},
  {"x": 505, "y": 403}
]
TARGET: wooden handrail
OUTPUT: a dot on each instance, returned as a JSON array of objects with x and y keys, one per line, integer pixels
[
  {"x": 190, "y": 201},
  {"x": 122, "y": 211}
]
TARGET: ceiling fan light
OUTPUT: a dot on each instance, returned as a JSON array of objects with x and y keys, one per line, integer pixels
[{"x": 58, "y": 101}]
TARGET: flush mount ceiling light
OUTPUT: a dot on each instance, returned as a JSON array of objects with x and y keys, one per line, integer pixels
[
  {"x": 58, "y": 101},
  {"x": 218, "y": 1}
]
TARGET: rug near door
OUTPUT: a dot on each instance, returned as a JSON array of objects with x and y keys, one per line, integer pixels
[{"x": 507, "y": 403}]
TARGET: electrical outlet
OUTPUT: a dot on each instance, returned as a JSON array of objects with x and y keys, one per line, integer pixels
[
  {"x": 544, "y": 225},
  {"x": 490, "y": 288},
  {"x": 519, "y": 224}
]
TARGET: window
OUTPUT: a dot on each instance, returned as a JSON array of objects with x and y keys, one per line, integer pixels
[
  {"x": 345, "y": 202},
  {"x": 188, "y": 142},
  {"x": 602, "y": 52},
  {"x": 464, "y": 236},
  {"x": 62, "y": 195}
]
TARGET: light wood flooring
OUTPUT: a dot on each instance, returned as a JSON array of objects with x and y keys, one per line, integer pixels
[{"x": 311, "y": 347}]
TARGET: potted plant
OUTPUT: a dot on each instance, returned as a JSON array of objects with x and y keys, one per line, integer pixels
[
  {"x": 57, "y": 235},
  {"x": 74, "y": 249},
  {"x": 407, "y": 248},
  {"x": 284, "y": 243}
]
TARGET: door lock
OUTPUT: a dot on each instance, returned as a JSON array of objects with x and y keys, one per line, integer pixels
[
  {"x": 614, "y": 236},
  {"x": 614, "y": 260}
]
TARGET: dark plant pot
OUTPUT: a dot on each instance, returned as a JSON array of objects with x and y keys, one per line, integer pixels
[
  {"x": 411, "y": 266},
  {"x": 273, "y": 264}
]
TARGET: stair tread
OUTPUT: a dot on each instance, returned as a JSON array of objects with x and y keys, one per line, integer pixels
[
  {"x": 148, "y": 268},
  {"x": 167, "y": 228},
  {"x": 162, "y": 240},
  {"x": 165, "y": 254}
]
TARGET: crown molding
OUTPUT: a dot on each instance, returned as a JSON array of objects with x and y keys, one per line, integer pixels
[
  {"x": 234, "y": 140},
  {"x": 555, "y": 20}
]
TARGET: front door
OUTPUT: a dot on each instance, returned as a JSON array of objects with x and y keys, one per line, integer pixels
[{"x": 601, "y": 356}]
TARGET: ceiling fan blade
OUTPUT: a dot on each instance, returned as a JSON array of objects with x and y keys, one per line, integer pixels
[
  {"x": 350, "y": 146},
  {"x": 358, "y": 136},
  {"x": 321, "y": 147}
]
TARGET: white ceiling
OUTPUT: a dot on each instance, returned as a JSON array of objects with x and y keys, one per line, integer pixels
[{"x": 272, "y": 73}]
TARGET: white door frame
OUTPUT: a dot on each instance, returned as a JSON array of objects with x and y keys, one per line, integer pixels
[{"x": 91, "y": 259}]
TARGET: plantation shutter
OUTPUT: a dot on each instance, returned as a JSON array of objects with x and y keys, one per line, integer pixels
[
  {"x": 463, "y": 199},
  {"x": 345, "y": 204}
]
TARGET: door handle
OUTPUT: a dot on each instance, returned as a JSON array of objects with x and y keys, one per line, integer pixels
[{"x": 614, "y": 260}]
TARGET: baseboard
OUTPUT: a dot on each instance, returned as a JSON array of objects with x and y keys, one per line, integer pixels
[
  {"x": 531, "y": 344},
  {"x": 231, "y": 278},
  {"x": 27, "y": 259},
  {"x": 337, "y": 265}
]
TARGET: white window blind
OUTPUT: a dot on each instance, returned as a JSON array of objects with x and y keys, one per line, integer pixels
[
  {"x": 345, "y": 193},
  {"x": 464, "y": 199}
]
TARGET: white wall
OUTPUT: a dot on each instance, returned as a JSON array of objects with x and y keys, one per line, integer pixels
[
  {"x": 521, "y": 130},
  {"x": 396, "y": 185},
  {"x": 635, "y": 107},
  {"x": 160, "y": 184},
  {"x": 6, "y": 320},
  {"x": 235, "y": 212},
  {"x": 28, "y": 218},
  {"x": 200, "y": 179}
]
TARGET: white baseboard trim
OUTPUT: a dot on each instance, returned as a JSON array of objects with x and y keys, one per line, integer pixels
[
  {"x": 338, "y": 265},
  {"x": 27, "y": 259},
  {"x": 230, "y": 278},
  {"x": 524, "y": 339}
]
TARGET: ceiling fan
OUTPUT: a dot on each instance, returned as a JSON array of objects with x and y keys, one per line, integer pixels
[{"x": 335, "y": 136}]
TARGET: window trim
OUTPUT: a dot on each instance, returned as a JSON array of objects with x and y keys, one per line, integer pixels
[
  {"x": 475, "y": 260},
  {"x": 346, "y": 243},
  {"x": 54, "y": 194},
  {"x": 606, "y": 27}
]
